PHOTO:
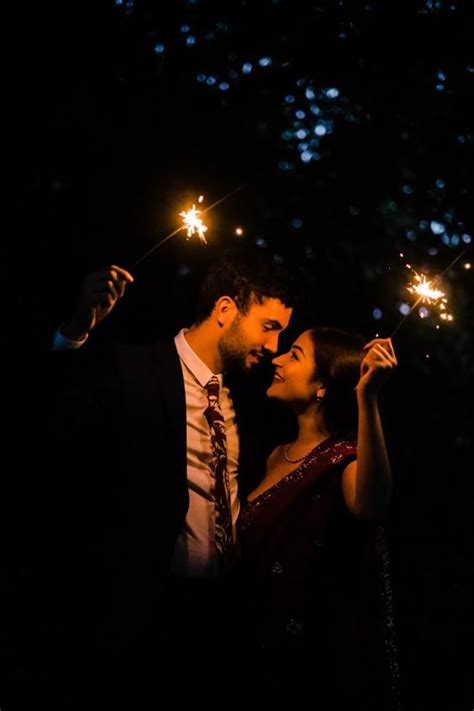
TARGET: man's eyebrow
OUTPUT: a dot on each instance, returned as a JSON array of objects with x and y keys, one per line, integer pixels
[
  {"x": 275, "y": 324},
  {"x": 298, "y": 348}
]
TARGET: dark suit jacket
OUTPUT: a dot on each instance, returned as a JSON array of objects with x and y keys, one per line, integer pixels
[{"x": 117, "y": 492}]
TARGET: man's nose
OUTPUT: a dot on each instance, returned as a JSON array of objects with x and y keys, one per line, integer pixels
[{"x": 271, "y": 343}]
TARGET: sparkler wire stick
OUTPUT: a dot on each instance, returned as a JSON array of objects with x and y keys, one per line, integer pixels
[
  {"x": 435, "y": 280},
  {"x": 182, "y": 227},
  {"x": 418, "y": 301}
]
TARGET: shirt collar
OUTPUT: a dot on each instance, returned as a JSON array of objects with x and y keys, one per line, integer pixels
[{"x": 192, "y": 361}]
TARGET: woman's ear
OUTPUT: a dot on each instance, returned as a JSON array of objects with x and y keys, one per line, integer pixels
[{"x": 320, "y": 393}]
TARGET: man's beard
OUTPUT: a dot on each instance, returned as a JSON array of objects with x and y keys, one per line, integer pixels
[{"x": 233, "y": 350}]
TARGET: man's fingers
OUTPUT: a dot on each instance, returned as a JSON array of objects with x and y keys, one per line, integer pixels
[
  {"x": 120, "y": 285},
  {"x": 112, "y": 290},
  {"x": 105, "y": 282},
  {"x": 102, "y": 277},
  {"x": 122, "y": 273},
  {"x": 103, "y": 295},
  {"x": 103, "y": 298},
  {"x": 120, "y": 278}
]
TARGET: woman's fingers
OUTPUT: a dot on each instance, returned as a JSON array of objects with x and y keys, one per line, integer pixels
[
  {"x": 385, "y": 343},
  {"x": 384, "y": 353},
  {"x": 379, "y": 357},
  {"x": 377, "y": 365}
]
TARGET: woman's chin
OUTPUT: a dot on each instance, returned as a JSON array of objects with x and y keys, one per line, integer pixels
[{"x": 273, "y": 393}]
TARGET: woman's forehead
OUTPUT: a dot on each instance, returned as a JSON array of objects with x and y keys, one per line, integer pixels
[{"x": 305, "y": 342}]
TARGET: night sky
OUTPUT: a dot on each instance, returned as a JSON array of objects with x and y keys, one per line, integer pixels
[{"x": 348, "y": 126}]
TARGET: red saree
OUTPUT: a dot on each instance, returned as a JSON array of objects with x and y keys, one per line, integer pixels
[{"x": 318, "y": 581}]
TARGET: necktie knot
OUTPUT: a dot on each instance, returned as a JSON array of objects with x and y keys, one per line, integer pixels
[{"x": 212, "y": 387}]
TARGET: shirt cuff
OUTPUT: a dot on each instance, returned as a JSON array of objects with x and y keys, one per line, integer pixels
[{"x": 61, "y": 343}]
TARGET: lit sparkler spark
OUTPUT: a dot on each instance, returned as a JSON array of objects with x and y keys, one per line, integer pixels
[
  {"x": 424, "y": 287},
  {"x": 193, "y": 224},
  {"x": 427, "y": 293}
]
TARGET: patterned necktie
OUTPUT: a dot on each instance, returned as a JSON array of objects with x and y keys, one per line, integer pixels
[{"x": 213, "y": 413}]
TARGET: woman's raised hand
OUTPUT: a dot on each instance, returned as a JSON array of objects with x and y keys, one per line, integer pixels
[{"x": 376, "y": 367}]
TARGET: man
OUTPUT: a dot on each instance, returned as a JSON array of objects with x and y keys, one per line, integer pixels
[{"x": 149, "y": 438}]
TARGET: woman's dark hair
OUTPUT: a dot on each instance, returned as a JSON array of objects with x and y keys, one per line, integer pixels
[
  {"x": 249, "y": 277},
  {"x": 338, "y": 356}
]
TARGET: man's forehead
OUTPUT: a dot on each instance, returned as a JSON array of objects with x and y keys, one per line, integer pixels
[{"x": 272, "y": 308}]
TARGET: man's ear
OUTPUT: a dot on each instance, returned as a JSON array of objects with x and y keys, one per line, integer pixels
[{"x": 225, "y": 310}]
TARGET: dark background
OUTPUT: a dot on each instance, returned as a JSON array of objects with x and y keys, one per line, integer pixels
[{"x": 113, "y": 136}]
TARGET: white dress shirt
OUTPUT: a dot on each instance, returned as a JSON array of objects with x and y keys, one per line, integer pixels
[{"x": 195, "y": 551}]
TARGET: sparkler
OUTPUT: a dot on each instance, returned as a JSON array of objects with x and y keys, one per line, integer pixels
[
  {"x": 428, "y": 293},
  {"x": 424, "y": 288},
  {"x": 192, "y": 223}
]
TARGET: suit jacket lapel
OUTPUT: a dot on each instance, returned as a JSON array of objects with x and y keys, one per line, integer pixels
[{"x": 167, "y": 368}]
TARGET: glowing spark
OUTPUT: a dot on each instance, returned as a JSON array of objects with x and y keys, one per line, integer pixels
[
  {"x": 426, "y": 292},
  {"x": 239, "y": 231},
  {"x": 424, "y": 287},
  {"x": 202, "y": 227},
  {"x": 193, "y": 224},
  {"x": 201, "y": 198}
]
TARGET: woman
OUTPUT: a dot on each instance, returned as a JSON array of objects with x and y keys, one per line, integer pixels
[{"x": 312, "y": 547}]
